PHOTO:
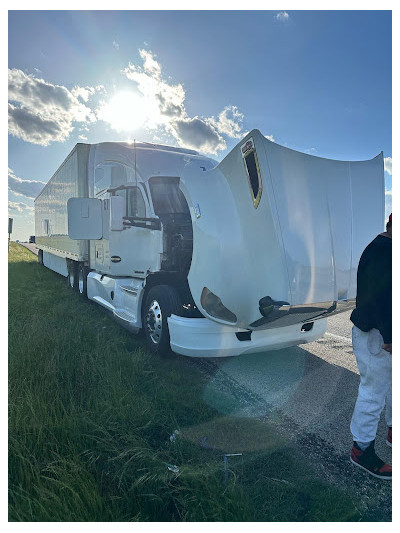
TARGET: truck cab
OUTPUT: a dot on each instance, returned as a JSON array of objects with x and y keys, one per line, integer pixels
[{"x": 216, "y": 259}]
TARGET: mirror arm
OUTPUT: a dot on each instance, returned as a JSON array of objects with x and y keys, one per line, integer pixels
[{"x": 142, "y": 222}]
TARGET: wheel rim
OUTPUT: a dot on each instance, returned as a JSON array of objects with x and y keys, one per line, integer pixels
[
  {"x": 154, "y": 322},
  {"x": 72, "y": 278},
  {"x": 81, "y": 282}
]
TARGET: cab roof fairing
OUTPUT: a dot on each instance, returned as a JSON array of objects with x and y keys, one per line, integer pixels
[{"x": 151, "y": 160}]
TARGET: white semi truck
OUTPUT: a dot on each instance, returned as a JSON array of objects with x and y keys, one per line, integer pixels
[{"x": 211, "y": 259}]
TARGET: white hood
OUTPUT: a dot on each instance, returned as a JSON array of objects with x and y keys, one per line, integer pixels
[{"x": 296, "y": 237}]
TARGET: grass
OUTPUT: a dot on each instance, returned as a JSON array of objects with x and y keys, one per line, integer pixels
[{"x": 90, "y": 416}]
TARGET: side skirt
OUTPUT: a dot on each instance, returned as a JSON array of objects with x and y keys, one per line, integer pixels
[{"x": 121, "y": 296}]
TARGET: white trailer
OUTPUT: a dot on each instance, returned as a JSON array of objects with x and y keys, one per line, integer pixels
[{"x": 211, "y": 259}]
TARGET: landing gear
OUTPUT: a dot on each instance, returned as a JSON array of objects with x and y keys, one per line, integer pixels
[
  {"x": 82, "y": 279},
  {"x": 72, "y": 274}
]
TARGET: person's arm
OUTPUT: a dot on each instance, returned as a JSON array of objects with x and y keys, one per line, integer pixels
[{"x": 380, "y": 281}]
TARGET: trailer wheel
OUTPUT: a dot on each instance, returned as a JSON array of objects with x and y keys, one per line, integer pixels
[
  {"x": 161, "y": 302},
  {"x": 82, "y": 279},
  {"x": 40, "y": 257},
  {"x": 72, "y": 274}
]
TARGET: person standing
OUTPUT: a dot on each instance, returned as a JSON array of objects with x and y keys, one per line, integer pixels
[{"x": 372, "y": 346}]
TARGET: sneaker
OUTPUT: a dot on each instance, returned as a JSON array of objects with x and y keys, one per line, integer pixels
[
  {"x": 389, "y": 436},
  {"x": 370, "y": 462}
]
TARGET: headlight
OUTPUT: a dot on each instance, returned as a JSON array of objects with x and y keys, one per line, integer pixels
[{"x": 214, "y": 307}]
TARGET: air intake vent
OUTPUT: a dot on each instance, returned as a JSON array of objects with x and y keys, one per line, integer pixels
[{"x": 252, "y": 170}]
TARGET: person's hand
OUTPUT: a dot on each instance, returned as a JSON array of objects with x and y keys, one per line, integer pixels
[{"x": 387, "y": 347}]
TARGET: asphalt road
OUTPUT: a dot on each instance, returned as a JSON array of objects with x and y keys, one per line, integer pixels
[
  {"x": 30, "y": 246},
  {"x": 308, "y": 393}
]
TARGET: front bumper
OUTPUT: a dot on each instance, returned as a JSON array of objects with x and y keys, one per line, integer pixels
[{"x": 201, "y": 337}]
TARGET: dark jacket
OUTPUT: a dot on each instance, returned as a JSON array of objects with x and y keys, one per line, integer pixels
[{"x": 374, "y": 289}]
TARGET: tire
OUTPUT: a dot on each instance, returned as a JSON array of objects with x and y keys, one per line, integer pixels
[
  {"x": 72, "y": 277},
  {"x": 82, "y": 280},
  {"x": 160, "y": 302},
  {"x": 40, "y": 257}
]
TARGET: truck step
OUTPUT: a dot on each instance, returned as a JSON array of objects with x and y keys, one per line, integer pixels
[{"x": 123, "y": 315}]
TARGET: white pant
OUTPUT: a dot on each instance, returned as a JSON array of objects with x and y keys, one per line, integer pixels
[{"x": 375, "y": 391}]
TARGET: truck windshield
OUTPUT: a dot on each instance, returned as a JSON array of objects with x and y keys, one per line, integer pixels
[{"x": 167, "y": 196}]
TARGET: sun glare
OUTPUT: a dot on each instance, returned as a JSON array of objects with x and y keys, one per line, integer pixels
[{"x": 126, "y": 111}]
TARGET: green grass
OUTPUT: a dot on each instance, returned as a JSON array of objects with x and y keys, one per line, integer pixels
[{"x": 91, "y": 412}]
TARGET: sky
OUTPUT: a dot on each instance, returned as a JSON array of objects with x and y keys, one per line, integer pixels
[{"x": 315, "y": 81}]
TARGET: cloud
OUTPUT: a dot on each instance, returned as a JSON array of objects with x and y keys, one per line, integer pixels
[
  {"x": 20, "y": 207},
  {"x": 282, "y": 16},
  {"x": 150, "y": 65},
  {"x": 160, "y": 105},
  {"x": 388, "y": 164},
  {"x": 83, "y": 92},
  {"x": 163, "y": 100},
  {"x": 229, "y": 122},
  {"x": 40, "y": 112},
  {"x": 198, "y": 134},
  {"x": 115, "y": 44},
  {"x": 270, "y": 138},
  {"x": 28, "y": 188},
  {"x": 388, "y": 204},
  {"x": 31, "y": 127}
]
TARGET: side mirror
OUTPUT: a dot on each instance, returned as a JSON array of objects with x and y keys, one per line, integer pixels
[
  {"x": 117, "y": 212},
  {"x": 84, "y": 218}
]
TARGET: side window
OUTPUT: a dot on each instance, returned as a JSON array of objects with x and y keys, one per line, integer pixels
[
  {"x": 109, "y": 175},
  {"x": 136, "y": 205},
  {"x": 121, "y": 192},
  {"x": 118, "y": 175},
  {"x": 101, "y": 179}
]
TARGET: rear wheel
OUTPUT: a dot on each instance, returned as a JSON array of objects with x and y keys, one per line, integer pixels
[
  {"x": 82, "y": 279},
  {"x": 161, "y": 302},
  {"x": 40, "y": 257}
]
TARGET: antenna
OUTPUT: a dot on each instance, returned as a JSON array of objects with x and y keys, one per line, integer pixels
[{"x": 136, "y": 190}]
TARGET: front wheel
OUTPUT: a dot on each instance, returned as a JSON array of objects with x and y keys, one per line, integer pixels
[{"x": 161, "y": 302}]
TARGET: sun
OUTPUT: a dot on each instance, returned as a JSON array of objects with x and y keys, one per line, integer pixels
[{"x": 126, "y": 111}]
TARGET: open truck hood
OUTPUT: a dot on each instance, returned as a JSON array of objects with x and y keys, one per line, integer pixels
[{"x": 284, "y": 250}]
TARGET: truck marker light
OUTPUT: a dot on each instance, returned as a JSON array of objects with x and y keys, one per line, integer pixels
[{"x": 197, "y": 211}]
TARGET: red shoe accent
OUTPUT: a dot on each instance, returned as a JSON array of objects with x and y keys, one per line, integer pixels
[
  {"x": 370, "y": 462},
  {"x": 389, "y": 436},
  {"x": 385, "y": 468}
]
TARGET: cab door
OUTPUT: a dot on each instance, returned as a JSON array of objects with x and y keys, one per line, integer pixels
[{"x": 135, "y": 250}]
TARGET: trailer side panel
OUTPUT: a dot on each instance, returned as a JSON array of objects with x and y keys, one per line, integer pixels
[{"x": 51, "y": 217}]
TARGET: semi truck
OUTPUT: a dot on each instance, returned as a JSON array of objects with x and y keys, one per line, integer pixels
[{"x": 208, "y": 258}]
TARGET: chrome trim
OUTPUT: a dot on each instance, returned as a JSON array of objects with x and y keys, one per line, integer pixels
[
  {"x": 130, "y": 290},
  {"x": 153, "y": 322}
]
